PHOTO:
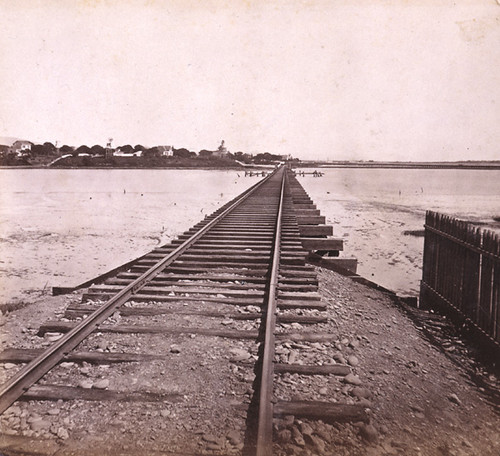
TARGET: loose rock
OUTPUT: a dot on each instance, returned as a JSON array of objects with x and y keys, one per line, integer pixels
[
  {"x": 174, "y": 348},
  {"x": 284, "y": 436},
  {"x": 40, "y": 425},
  {"x": 361, "y": 393},
  {"x": 101, "y": 384},
  {"x": 85, "y": 384},
  {"x": 62, "y": 433},
  {"x": 234, "y": 438},
  {"x": 297, "y": 437},
  {"x": 454, "y": 398},
  {"x": 369, "y": 433},
  {"x": 352, "y": 379},
  {"x": 306, "y": 429},
  {"x": 353, "y": 360}
]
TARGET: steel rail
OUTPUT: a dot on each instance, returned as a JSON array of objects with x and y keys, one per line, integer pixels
[
  {"x": 265, "y": 423},
  {"x": 11, "y": 390}
]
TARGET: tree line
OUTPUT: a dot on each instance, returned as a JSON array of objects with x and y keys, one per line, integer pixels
[{"x": 49, "y": 149}]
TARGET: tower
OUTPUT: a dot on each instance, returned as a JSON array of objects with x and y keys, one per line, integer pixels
[{"x": 109, "y": 148}]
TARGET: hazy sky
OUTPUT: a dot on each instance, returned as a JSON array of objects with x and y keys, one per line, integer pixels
[{"x": 405, "y": 80}]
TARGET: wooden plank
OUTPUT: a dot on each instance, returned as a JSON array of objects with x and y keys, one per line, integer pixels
[
  {"x": 79, "y": 311},
  {"x": 236, "y": 277},
  {"x": 304, "y": 206},
  {"x": 234, "y": 236},
  {"x": 15, "y": 355},
  {"x": 246, "y": 242},
  {"x": 212, "y": 263},
  {"x": 307, "y": 337},
  {"x": 63, "y": 327},
  {"x": 143, "y": 297},
  {"x": 322, "y": 244},
  {"x": 341, "y": 265},
  {"x": 297, "y": 271},
  {"x": 302, "y": 319},
  {"x": 304, "y": 369},
  {"x": 300, "y": 287},
  {"x": 250, "y": 280},
  {"x": 217, "y": 259},
  {"x": 325, "y": 411},
  {"x": 311, "y": 220},
  {"x": 159, "y": 289},
  {"x": 291, "y": 305},
  {"x": 298, "y": 296},
  {"x": 306, "y": 212},
  {"x": 306, "y": 272},
  {"x": 198, "y": 283},
  {"x": 221, "y": 251},
  {"x": 179, "y": 268},
  {"x": 68, "y": 393},
  {"x": 316, "y": 230}
]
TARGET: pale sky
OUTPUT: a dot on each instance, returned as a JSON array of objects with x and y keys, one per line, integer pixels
[{"x": 381, "y": 80}]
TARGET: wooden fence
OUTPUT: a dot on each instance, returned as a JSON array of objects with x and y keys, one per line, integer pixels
[{"x": 461, "y": 272}]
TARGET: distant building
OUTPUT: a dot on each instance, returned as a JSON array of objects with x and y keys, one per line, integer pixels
[
  {"x": 119, "y": 153},
  {"x": 221, "y": 152},
  {"x": 166, "y": 151},
  {"x": 20, "y": 148}
]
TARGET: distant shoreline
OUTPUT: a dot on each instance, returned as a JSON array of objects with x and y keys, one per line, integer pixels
[
  {"x": 471, "y": 165},
  {"x": 405, "y": 165},
  {"x": 208, "y": 168}
]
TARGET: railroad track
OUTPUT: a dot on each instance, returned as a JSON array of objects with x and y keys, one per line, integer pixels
[{"x": 233, "y": 291}]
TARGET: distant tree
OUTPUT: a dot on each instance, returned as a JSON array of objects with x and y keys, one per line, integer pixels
[
  {"x": 66, "y": 149},
  {"x": 205, "y": 153},
  {"x": 97, "y": 150},
  {"x": 151, "y": 152},
  {"x": 37, "y": 149},
  {"x": 192, "y": 154},
  {"x": 266, "y": 157},
  {"x": 83, "y": 150},
  {"x": 139, "y": 147},
  {"x": 49, "y": 148},
  {"x": 181, "y": 153},
  {"x": 128, "y": 149},
  {"x": 243, "y": 157}
]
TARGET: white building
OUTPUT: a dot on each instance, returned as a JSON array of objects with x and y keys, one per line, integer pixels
[{"x": 20, "y": 147}]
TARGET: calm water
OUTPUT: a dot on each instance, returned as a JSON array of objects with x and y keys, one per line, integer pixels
[
  {"x": 62, "y": 227},
  {"x": 372, "y": 208}
]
